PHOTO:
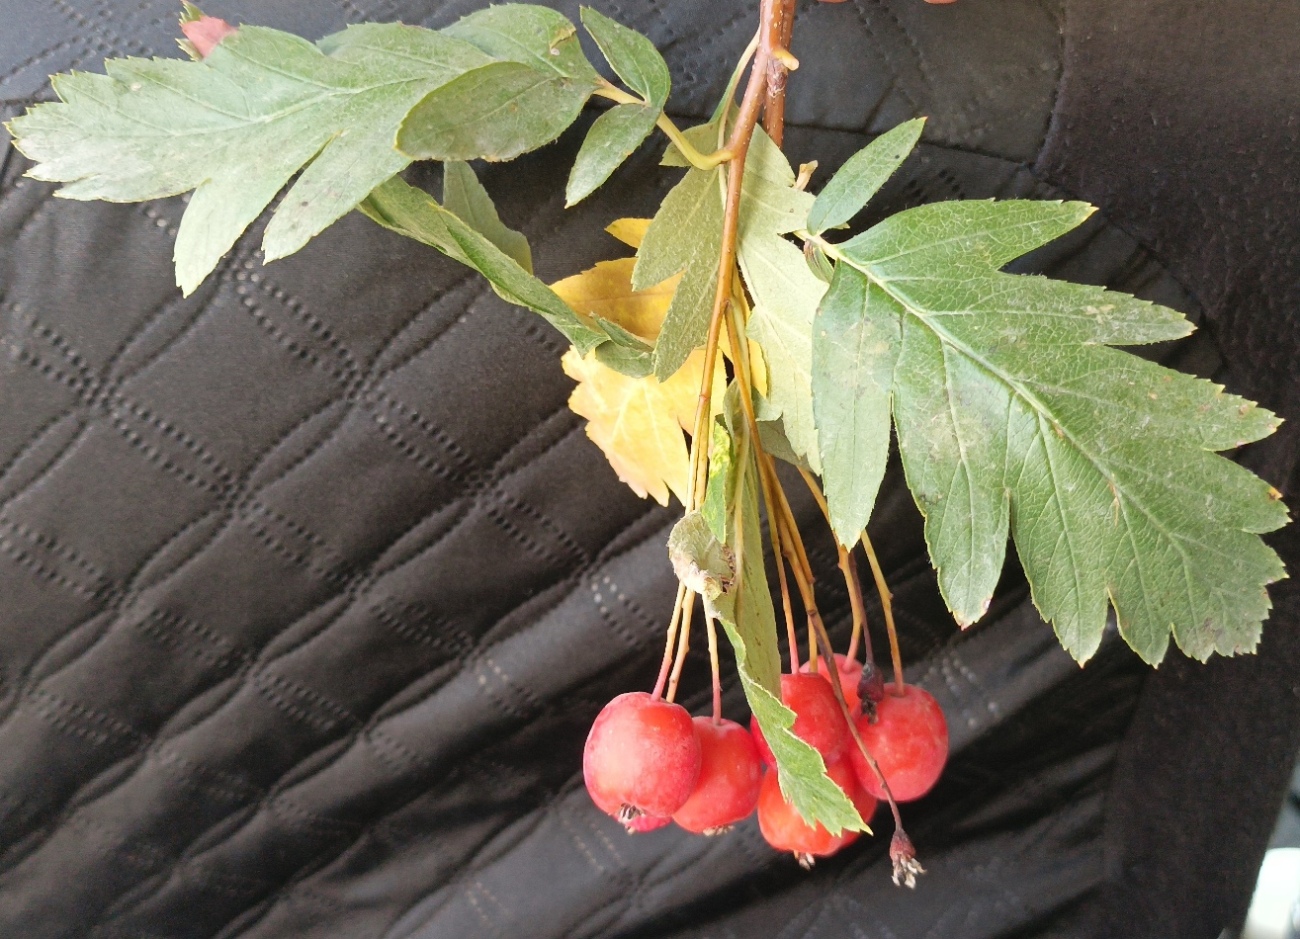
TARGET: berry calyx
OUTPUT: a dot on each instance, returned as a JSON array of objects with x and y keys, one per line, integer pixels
[
  {"x": 784, "y": 828},
  {"x": 818, "y": 721},
  {"x": 730, "y": 776},
  {"x": 909, "y": 741},
  {"x": 636, "y": 823},
  {"x": 850, "y": 675},
  {"x": 642, "y": 756}
]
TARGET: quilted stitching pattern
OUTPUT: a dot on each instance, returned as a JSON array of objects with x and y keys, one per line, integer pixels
[{"x": 310, "y": 592}]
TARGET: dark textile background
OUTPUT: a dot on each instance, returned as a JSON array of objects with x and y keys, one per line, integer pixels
[{"x": 310, "y": 585}]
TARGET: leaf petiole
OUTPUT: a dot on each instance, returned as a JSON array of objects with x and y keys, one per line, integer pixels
[{"x": 701, "y": 161}]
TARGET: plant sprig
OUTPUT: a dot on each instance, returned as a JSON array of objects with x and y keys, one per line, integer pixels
[{"x": 1017, "y": 416}]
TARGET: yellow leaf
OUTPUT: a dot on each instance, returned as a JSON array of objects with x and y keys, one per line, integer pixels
[
  {"x": 639, "y": 422},
  {"x": 606, "y": 291},
  {"x": 630, "y": 231}
]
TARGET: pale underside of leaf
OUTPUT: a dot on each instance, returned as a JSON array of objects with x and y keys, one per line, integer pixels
[
  {"x": 155, "y": 128},
  {"x": 786, "y": 295},
  {"x": 1013, "y": 415}
]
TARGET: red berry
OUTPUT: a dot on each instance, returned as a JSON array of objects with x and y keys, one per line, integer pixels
[
  {"x": 862, "y": 800},
  {"x": 642, "y": 755},
  {"x": 909, "y": 741},
  {"x": 730, "y": 774},
  {"x": 818, "y": 721},
  {"x": 850, "y": 675},
  {"x": 784, "y": 828}
]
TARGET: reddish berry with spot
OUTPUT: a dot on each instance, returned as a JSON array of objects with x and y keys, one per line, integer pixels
[
  {"x": 642, "y": 757},
  {"x": 908, "y": 740}
]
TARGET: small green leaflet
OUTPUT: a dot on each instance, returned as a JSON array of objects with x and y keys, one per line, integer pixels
[
  {"x": 632, "y": 56},
  {"x": 410, "y": 212},
  {"x": 237, "y": 126},
  {"x": 862, "y": 175},
  {"x": 749, "y": 620},
  {"x": 464, "y": 196},
  {"x": 618, "y": 132},
  {"x": 1015, "y": 416},
  {"x": 612, "y": 139}
]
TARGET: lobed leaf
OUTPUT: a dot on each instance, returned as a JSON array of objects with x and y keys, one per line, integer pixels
[
  {"x": 237, "y": 126},
  {"x": 1014, "y": 415}
]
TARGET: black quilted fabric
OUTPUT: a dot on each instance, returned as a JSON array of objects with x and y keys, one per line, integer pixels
[{"x": 310, "y": 584}]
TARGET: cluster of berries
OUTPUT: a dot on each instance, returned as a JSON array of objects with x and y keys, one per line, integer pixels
[{"x": 648, "y": 762}]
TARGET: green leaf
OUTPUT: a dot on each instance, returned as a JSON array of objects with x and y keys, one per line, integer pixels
[
  {"x": 411, "y": 212},
  {"x": 1014, "y": 415},
  {"x": 719, "y": 494},
  {"x": 495, "y": 112},
  {"x": 747, "y": 616},
  {"x": 685, "y": 234},
  {"x": 464, "y": 196},
  {"x": 775, "y": 442},
  {"x": 612, "y": 139},
  {"x": 237, "y": 126},
  {"x": 531, "y": 35},
  {"x": 862, "y": 175},
  {"x": 624, "y": 352},
  {"x": 632, "y": 56},
  {"x": 700, "y": 560},
  {"x": 853, "y": 372},
  {"x": 685, "y": 237},
  {"x": 785, "y": 292}
]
